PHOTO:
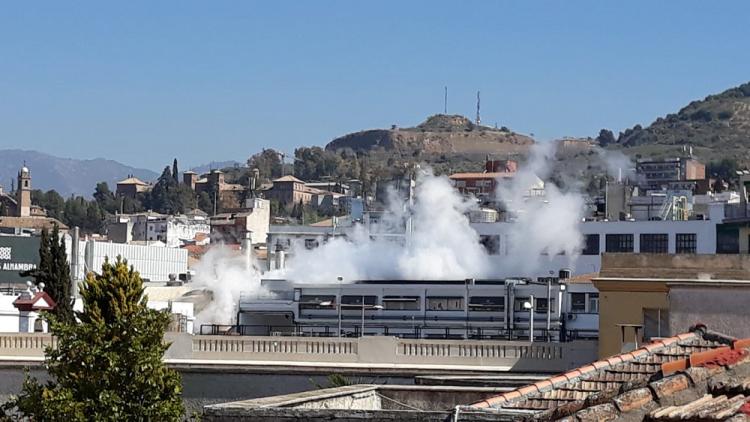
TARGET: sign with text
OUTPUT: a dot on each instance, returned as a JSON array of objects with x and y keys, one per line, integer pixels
[{"x": 17, "y": 254}]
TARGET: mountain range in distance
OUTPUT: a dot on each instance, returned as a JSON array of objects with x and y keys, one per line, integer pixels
[
  {"x": 717, "y": 126},
  {"x": 71, "y": 176}
]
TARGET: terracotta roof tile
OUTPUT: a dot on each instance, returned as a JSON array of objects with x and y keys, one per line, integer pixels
[{"x": 605, "y": 382}]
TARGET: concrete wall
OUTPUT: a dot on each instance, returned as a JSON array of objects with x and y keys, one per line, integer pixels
[
  {"x": 624, "y": 307},
  {"x": 399, "y": 355},
  {"x": 683, "y": 266},
  {"x": 722, "y": 308}
]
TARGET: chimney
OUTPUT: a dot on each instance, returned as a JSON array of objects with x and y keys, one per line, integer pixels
[
  {"x": 74, "y": 260},
  {"x": 279, "y": 256},
  {"x": 247, "y": 251}
]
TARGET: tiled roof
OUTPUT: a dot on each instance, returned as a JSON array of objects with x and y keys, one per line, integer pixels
[
  {"x": 695, "y": 376},
  {"x": 288, "y": 178},
  {"x": 494, "y": 175},
  {"x": 32, "y": 223},
  {"x": 132, "y": 181}
]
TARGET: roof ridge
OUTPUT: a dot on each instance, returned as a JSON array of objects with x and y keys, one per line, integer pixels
[{"x": 575, "y": 374}]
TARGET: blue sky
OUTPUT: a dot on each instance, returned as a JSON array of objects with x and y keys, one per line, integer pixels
[{"x": 144, "y": 81}]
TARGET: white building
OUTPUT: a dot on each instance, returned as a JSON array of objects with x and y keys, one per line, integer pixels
[
  {"x": 689, "y": 236},
  {"x": 250, "y": 222},
  {"x": 172, "y": 230},
  {"x": 154, "y": 263}
]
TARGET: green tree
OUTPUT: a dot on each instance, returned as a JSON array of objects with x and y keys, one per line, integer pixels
[
  {"x": 54, "y": 271},
  {"x": 170, "y": 197},
  {"x": 106, "y": 198},
  {"x": 606, "y": 137},
  {"x": 109, "y": 366},
  {"x": 268, "y": 163},
  {"x": 175, "y": 172},
  {"x": 3, "y": 210}
]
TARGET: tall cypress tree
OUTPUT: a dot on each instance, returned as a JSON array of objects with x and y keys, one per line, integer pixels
[
  {"x": 175, "y": 172},
  {"x": 41, "y": 273},
  {"x": 59, "y": 284},
  {"x": 54, "y": 271},
  {"x": 109, "y": 366}
]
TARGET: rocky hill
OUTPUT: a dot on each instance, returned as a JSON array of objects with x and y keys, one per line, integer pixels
[
  {"x": 439, "y": 134},
  {"x": 65, "y": 175},
  {"x": 716, "y": 127}
]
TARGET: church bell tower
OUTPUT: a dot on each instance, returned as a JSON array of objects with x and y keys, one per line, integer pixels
[{"x": 23, "y": 192}]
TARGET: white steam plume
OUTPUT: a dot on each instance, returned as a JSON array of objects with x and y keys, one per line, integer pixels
[
  {"x": 442, "y": 244},
  {"x": 619, "y": 166},
  {"x": 225, "y": 273},
  {"x": 544, "y": 226}
]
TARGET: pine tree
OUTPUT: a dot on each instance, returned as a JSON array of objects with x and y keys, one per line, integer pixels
[{"x": 109, "y": 366}]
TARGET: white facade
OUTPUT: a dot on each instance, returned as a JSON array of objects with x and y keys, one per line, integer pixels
[
  {"x": 172, "y": 230},
  {"x": 590, "y": 260},
  {"x": 152, "y": 262}
]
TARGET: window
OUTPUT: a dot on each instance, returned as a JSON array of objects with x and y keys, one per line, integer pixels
[
  {"x": 487, "y": 304},
  {"x": 590, "y": 244},
  {"x": 578, "y": 302},
  {"x": 311, "y": 243},
  {"x": 655, "y": 323},
  {"x": 491, "y": 244},
  {"x": 518, "y": 304},
  {"x": 685, "y": 243},
  {"x": 445, "y": 304},
  {"x": 541, "y": 304},
  {"x": 356, "y": 301},
  {"x": 654, "y": 243},
  {"x": 317, "y": 302},
  {"x": 593, "y": 303},
  {"x": 619, "y": 243},
  {"x": 401, "y": 303}
]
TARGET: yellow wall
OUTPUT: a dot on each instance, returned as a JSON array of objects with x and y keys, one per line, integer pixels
[{"x": 623, "y": 303}]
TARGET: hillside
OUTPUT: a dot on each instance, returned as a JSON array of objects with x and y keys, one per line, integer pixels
[
  {"x": 65, "y": 175},
  {"x": 439, "y": 134},
  {"x": 716, "y": 127}
]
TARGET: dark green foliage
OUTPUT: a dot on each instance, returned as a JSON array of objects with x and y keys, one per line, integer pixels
[
  {"x": 106, "y": 198},
  {"x": 3, "y": 210},
  {"x": 605, "y": 137},
  {"x": 725, "y": 169},
  {"x": 51, "y": 201},
  {"x": 170, "y": 197},
  {"x": 54, "y": 271},
  {"x": 312, "y": 163},
  {"x": 109, "y": 366},
  {"x": 175, "y": 172},
  {"x": 268, "y": 163},
  {"x": 724, "y": 115}
]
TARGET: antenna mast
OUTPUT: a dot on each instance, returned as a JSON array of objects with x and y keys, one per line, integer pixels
[
  {"x": 445, "y": 105},
  {"x": 479, "y": 119}
]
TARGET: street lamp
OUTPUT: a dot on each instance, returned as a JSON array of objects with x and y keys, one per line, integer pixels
[
  {"x": 530, "y": 306},
  {"x": 373, "y": 307},
  {"x": 340, "y": 279}
]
